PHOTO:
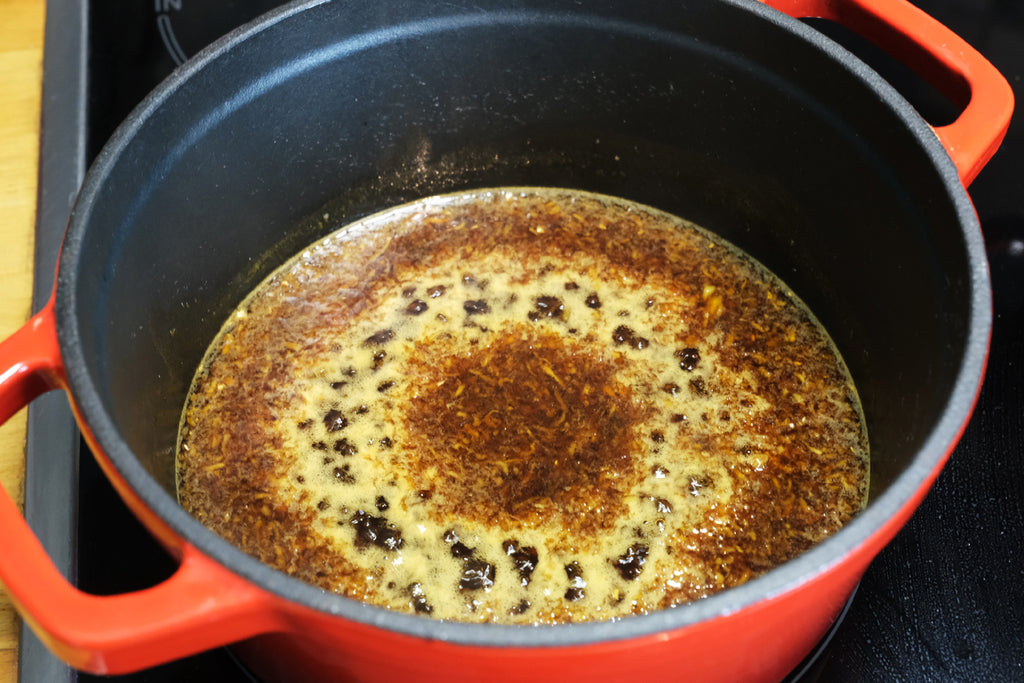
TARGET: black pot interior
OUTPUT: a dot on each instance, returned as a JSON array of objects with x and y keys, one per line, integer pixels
[{"x": 709, "y": 110}]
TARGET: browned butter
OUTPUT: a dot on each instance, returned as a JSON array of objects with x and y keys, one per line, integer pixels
[{"x": 523, "y": 405}]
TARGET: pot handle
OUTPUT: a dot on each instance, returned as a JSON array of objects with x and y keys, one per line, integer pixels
[
  {"x": 938, "y": 55},
  {"x": 201, "y": 606}
]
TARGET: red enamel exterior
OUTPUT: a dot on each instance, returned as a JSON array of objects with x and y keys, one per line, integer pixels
[{"x": 204, "y": 605}]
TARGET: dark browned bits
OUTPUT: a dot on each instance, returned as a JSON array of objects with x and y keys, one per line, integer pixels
[
  {"x": 457, "y": 548},
  {"x": 624, "y": 334},
  {"x": 574, "y": 572},
  {"x": 416, "y": 307},
  {"x": 520, "y": 608},
  {"x": 688, "y": 358},
  {"x": 524, "y": 560},
  {"x": 343, "y": 474},
  {"x": 476, "y": 306},
  {"x": 335, "y": 421},
  {"x": 534, "y": 380},
  {"x": 573, "y": 593},
  {"x": 477, "y": 574},
  {"x": 377, "y": 531},
  {"x": 549, "y": 306},
  {"x": 380, "y": 337},
  {"x": 345, "y": 447},
  {"x": 420, "y": 605},
  {"x": 631, "y": 563}
]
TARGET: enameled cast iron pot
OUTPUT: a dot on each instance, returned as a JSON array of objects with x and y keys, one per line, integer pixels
[{"x": 726, "y": 112}]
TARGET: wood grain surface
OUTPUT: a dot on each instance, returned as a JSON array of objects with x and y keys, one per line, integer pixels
[{"x": 21, "y": 72}]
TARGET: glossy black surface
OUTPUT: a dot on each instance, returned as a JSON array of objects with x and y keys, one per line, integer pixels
[{"x": 943, "y": 602}]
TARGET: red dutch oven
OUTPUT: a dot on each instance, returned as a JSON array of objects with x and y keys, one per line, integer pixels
[{"x": 728, "y": 112}]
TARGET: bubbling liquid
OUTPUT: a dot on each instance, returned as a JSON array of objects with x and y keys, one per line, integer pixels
[{"x": 523, "y": 405}]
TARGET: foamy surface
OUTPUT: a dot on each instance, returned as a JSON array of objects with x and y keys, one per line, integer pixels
[{"x": 524, "y": 406}]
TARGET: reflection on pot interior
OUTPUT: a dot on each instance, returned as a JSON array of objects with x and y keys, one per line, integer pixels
[{"x": 523, "y": 406}]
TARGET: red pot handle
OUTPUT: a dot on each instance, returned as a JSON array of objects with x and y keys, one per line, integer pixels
[
  {"x": 201, "y": 606},
  {"x": 939, "y": 56}
]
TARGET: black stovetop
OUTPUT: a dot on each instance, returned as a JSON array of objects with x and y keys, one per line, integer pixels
[{"x": 943, "y": 602}]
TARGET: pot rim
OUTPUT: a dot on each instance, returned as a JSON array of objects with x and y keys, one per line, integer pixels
[{"x": 871, "y": 527}]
